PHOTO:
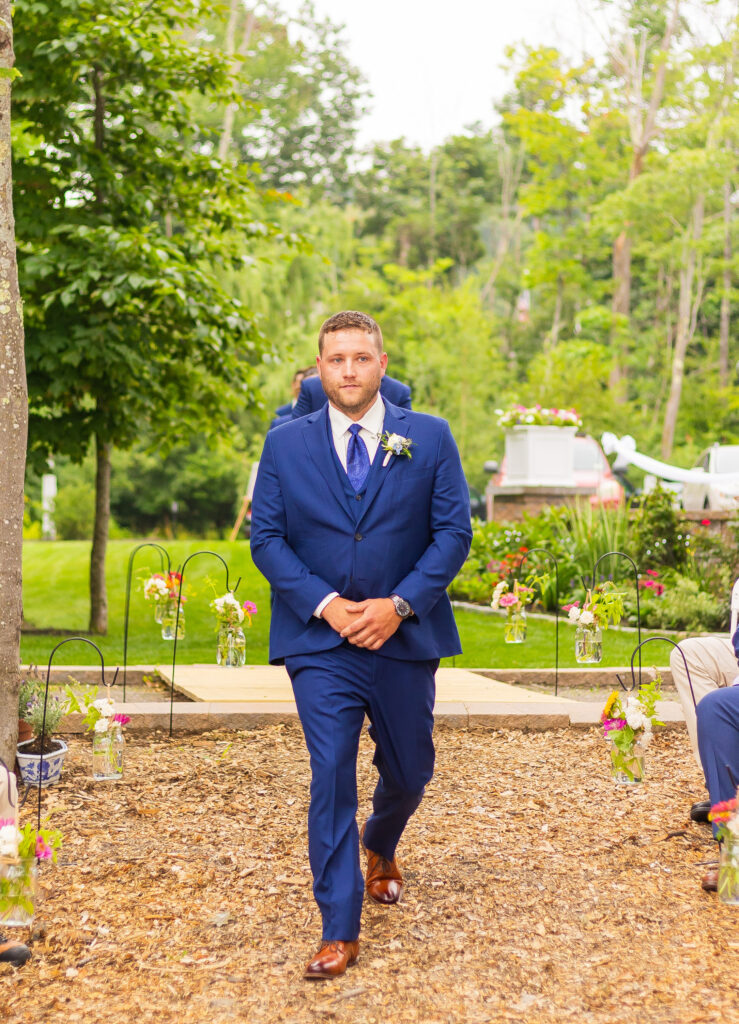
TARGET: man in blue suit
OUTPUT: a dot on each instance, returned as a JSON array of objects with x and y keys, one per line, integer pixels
[
  {"x": 360, "y": 521},
  {"x": 312, "y": 397}
]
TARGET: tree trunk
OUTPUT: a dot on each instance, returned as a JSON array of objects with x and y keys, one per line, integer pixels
[
  {"x": 687, "y": 318},
  {"x": 632, "y": 63},
  {"x": 723, "y": 344},
  {"x": 13, "y": 420},
  {"x": 98, "y": 594},
  {"x": 224, "y": 143}
]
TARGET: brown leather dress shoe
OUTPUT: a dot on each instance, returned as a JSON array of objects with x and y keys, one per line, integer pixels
[
  {"x": 383, "y": 881},
  {"x": 332, "y": 959},
  {"x": 710, "y": 880}
]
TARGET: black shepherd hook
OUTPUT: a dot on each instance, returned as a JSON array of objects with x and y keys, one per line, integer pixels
[
  {"x": 177, "y": 620},
  {"x": 549, "y": 554},
  {"x": 622, "y": 554},
  {"x": 69, "y": 640},
  {"x": 163, "y": 553},
  {"x": 649, "y": 640}
]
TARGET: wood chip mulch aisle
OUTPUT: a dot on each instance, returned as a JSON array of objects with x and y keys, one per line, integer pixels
[{"x": 536, "y": 891}]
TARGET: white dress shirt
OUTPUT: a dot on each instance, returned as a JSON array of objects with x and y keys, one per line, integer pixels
[{"x": 371, "y": 424}]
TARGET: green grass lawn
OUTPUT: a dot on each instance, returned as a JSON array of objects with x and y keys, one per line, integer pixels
[{"x": 55, "y": 596}]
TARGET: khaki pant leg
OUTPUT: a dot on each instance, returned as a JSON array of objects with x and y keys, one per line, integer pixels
[{"x": 712, "y": 664}]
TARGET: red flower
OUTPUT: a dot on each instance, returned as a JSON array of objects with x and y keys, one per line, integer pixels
[{"x": 705, "y": 522}]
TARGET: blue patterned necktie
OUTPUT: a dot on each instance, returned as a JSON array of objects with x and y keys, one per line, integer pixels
[{"x": 357, "y": 458}]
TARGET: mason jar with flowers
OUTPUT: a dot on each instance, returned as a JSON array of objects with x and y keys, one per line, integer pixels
[
  {"x": 724, "y": 817},
  {"x": 231, "y": 616},
  {"x": 21, "y": 851},
  {"x": 627, "y": 729},
  {"x": 163, "y": 591},
  {"x": 514, "y": 597},
  {"x": 602, "y": 607},
  {"x": 106, "y": 725}
]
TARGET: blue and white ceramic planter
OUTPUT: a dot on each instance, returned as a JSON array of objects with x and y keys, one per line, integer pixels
[{"x": 30, "y": 764}]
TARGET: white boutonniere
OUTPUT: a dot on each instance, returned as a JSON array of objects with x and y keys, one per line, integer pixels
[{"x": 395, "y": 444}]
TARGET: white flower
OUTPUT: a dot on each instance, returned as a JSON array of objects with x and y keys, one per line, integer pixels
[
  {"x": 9, "y": 839},
  {"x": 499, "y": 589},
  {"x": 102, "y": 725},
  {"x": 586, "y": 618},
  {"x": 574, "y": 614},
  {"x": 646, "y": 737},
  {"x": 635, "y": 716},
  {"x": 106, "y": 707}
]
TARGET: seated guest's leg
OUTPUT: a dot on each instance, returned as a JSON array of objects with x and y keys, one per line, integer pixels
[
  {"x": 712, "y": 664},
  {"x": 718, "y": 741}
]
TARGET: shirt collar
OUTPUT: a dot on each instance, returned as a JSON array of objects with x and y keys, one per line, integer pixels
[{"x": 372, "y": 420}]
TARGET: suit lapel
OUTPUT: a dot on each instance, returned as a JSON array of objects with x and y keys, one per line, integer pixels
[
  {"x": 317, "y": 442},
  {"x": 395, "y": 423}
]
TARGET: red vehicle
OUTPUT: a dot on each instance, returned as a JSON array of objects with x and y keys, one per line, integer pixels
[{"x": 592, "y": 470}]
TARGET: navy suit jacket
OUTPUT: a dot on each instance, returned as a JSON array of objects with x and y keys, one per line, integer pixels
[
  {"x": 409, "y": 534},
  {"x": 312, "y": 397}
]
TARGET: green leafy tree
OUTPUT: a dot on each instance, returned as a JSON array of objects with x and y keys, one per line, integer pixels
[{"x": 127, "y": 224}]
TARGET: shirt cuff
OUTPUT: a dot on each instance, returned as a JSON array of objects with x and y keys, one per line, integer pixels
[{"x": 324, "y": 602}]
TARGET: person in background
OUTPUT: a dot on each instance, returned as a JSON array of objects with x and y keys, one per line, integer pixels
[
  {"x": 312, "y": 397},
  {"x": 283, "y": 413},
  {"x": 712, "y": 664}
]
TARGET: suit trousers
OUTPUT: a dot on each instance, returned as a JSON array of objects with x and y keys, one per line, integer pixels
[
  {"x": 718, "y": 741},
  {"x": 334, "y": 690},
  {"x": 712, "y": 664}
]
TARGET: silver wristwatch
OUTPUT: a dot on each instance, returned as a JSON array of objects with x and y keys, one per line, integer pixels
[{"x": 402, "y": 608}]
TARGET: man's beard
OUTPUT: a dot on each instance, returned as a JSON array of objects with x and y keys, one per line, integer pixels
[{"x": 357, "y": 400}]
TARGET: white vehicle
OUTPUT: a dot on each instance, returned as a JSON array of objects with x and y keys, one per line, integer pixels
[{"x": 720, "y": 458}]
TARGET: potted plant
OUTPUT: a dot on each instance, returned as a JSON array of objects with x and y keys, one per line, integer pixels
[
  {"x": 539, "y": 445},
  {"x": 31, "y": 686},
  {"x": 602, "y": 607},
  {"x": 35, "y": 769},
  {"x": 627, "y": 728}
]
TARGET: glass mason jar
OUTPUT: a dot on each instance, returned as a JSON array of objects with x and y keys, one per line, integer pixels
[
  {"x": 107, "y": 753},
  {"x": 18, "y": 891},
  {"x": 170, "y": 621},
  {"x": 159, "y": 611},
  {"x": 514, "y": 630},
  {"x": 627, "y": 766},
  {"x": 588, "y": 644},
  {"x": 231, "y": 650},
  {"x": 728, "y": 872}
]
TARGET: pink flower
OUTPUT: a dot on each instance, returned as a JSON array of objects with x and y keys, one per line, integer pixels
[
  {"x": 249, "y": 607},
  {"x": 43, "y": 852},
  {"x": 611, "y": 724},
  {"x": 652, "y": 572},
  {"x": 507, "y": 600},
  {"x": 6, "y": 821},
  {"x": 566, "y": 607},
  {"x": 121, "y": 719}
]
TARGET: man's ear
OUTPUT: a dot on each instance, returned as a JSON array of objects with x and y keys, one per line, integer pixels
[{"x": 383, "y": 362}]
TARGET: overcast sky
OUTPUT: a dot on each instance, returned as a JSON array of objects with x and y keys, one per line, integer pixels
[{"x": 434, "y": 67}]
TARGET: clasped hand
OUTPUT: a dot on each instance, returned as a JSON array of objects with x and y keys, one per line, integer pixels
[{"x": 363, "y": 623}]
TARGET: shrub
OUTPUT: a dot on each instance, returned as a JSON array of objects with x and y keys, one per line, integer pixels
[{"x": 657, "y": 537}]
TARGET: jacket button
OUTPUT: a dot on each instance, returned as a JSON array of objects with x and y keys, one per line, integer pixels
[
  {"x": 357, "y": 536},
  {"x": 357, "y": 497}
]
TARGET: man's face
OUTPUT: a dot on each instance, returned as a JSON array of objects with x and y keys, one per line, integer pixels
[{"x": 351, "y": 368}]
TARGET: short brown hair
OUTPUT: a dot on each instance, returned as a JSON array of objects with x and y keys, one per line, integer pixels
[{"x": 348, "y": 320}]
